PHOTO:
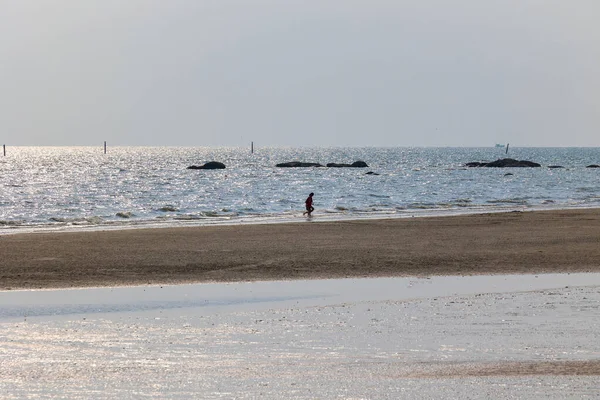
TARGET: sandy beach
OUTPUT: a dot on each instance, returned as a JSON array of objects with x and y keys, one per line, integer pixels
[
  {"x": 435, "y": 333},
  {"x": 503, "y": 243}
]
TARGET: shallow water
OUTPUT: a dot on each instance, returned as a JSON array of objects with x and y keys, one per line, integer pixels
[
  {"x": 360, "y": 338},
  {"x": 82, "y": 188},
  {"x": 220, "y": 297}
]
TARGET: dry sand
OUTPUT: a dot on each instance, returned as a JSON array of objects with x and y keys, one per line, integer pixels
[{"x": 504, "y": 243}]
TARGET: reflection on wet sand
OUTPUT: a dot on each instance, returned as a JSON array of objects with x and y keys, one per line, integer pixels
[
  {"x": 416, "y": 338},
  {"x": 523, "y": 368}
]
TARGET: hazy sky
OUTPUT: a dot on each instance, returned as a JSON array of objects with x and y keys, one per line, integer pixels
[{"x": 309, "y": 73}]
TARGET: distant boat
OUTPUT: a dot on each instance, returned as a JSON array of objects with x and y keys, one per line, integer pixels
[{"x": 499, "y": 146}]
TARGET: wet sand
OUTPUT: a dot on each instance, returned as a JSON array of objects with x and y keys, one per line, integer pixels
[
  {"x": 505, "y": 243},
  {"x": 518, "y": 337}
]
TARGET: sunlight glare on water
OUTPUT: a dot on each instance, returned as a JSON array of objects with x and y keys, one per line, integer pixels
[{"x": 81, "y": 187}]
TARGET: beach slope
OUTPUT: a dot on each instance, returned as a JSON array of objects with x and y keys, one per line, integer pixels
[{"x": 502, "y": 243}]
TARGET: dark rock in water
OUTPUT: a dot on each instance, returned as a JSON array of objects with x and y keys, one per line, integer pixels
[
  {"x": 593, "y": 166},
  {"x": 297, "y": 164},
  {"x": 508, "y": 174},
  {"x": 505, "y": 163},
  {"x": 208, "y": 165},
  {"x": 511, "y": 163},
  {"x": 355, "y": 164},
  {"x": 371, "y": 173},
  {"x": 555, "y": 166},
  {"x": 475, "y": 164}
]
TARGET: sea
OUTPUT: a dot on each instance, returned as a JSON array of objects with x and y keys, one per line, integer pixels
[{"x": 86, "y": 188}]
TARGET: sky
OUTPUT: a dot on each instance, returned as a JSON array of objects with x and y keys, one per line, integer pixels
[{"x": 300, "y": 73}]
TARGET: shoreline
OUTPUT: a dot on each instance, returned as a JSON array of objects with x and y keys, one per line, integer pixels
[
  {"x": 321, "y": 217},
  {"x": 549, "y": 241}
]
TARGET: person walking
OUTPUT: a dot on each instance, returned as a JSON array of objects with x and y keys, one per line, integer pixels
[{"x": 309, "y": 205}]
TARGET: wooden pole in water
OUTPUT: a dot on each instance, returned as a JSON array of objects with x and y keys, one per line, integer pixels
[
  {"x": 252, "y": 147},
  {"x": 105, "y": 147},
  {"x": 4, "y": 148}
]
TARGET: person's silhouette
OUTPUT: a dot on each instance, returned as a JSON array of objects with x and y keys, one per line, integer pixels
[{"x": 309, "y": 206}]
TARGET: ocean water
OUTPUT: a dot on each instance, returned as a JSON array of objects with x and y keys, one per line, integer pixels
[{"x": 64, "y": 188}]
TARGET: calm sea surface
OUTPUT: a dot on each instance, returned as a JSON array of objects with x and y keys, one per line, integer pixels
[{"x": 83, "y": 188}]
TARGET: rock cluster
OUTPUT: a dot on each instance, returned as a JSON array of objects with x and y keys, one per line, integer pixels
[
  {"x": 504, "y": 163},
  {"x": 356, "y": 164},
  {"x": 509, "y": 163},
  {"x": 291, "y": 164},
  {"x": 208, "y": 165},
  {"x": 296, "y": 164}
]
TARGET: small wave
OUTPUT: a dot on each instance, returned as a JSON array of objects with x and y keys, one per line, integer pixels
[
  {"x": 248, "y": 211},
  {"x": 422, "y": 206},
  {"x": 586, "y": 189},
  {"x": 86, "y": 221},
  {"x": 125, "y": 214},
  {"x": 285, "y": 201},
  {"x": 12, "y": 223},
  {"x": 77, "y": 221},
  {"x": 445, "y": 205},
  {"x": 464, "y": 205},
  {"x": 200, "y": 216},
  {"x": 507, "y": 201},
  {"x": 463, "y": 201},
  {"x": 168, "y": 208},
  {"x": 186, "y": 217},
  {"x": 378, "y": 206},
  {"x": 381, "y": 210},
  {"x": 347, "y": 211},
  {"x": 591, "y": 199}
]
